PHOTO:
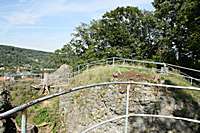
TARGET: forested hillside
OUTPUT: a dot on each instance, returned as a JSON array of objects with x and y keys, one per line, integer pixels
[
  {"x": 170, "y": 33},
  {"x": 13, "y": 56}
]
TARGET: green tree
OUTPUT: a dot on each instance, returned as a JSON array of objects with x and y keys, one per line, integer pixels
[
  {"x": 170, "y": 34},
  {"x": 123, "y": 32},
  {"x": 64, "y": 55},
  {"x": 179, "y": 26}
]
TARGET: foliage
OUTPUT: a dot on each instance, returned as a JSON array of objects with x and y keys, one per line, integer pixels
[
  {"x": 179, "y": 24},
  {"x": 123, "y": 32},
  {"x": 64, "y": 55},
  {"x": 5, "y": 103},
  {"x": 12, "y": 57},
  {"x": 170, "y": 34}
]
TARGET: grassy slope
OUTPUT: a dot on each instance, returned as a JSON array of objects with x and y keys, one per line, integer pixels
[
  {"x": 104, "y": 74},
  {"x": 39, "y": 114},
  {"x": 101, "y": 74}
]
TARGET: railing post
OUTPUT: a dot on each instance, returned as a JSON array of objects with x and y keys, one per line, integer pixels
[
  {"x": 78, "y": 69},
  {"x": 124, "y": 61},
  {"x": 127, "y": 108},
  {"x": 113, "y": 62},
  {"x": 191, "y": 80},
  {"x": 24, "y": 121},
  {"x": 165, "y": 68},
  {"x": 107, "y": 61}
]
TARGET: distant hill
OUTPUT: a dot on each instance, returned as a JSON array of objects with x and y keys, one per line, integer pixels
[{"x": 13, "y": 56}]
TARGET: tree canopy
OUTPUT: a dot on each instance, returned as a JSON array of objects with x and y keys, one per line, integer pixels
[
  {"x": 171, "y": 34},
  {"x": 179, "y": 24}
]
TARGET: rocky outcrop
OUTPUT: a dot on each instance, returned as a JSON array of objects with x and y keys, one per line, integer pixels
[
  {"x": 88, "y": 107},
  {"x": 61, "y": 75}
]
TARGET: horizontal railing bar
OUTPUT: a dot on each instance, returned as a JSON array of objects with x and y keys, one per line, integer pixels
[
  {"x": 189, "y": 77},
  {"x": 31, "y": 103},
  {"x": 142, "y": 61},
  {"x": 102, "y": 123},
  {"x": 101, "y": 60},
  {"x": 138, "y": 83},
  {"x": 138, "y": 67},
  {"x": 140, "y": 115},
  {"x": 191, "y": 69},
  {"x": 153, "y": 62}
]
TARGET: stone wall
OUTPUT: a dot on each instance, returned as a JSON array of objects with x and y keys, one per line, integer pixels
[{"x": 85, "y": 108}]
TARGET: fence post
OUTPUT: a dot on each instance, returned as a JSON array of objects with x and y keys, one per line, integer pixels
[
  {"x": 78, "y": 69},
  {"x": 124, "y": 61},
  {"x": 191, "y": 80},
  {"x": 165, "y": 68},
  {"x": 24, "y": 121},
  {"x": 107, "y": 61},
  {"x": 113, "y": 63},
  {"x": 127, "y": 108}
]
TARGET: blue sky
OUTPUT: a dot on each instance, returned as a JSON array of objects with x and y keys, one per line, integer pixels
[{"x": 47, "y": 24}]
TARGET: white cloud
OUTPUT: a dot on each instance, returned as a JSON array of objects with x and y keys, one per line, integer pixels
[
  {"x": 22, "y": 1},
  {"x": 22, "y": 18},
  {"x": 33, "y": 12}
]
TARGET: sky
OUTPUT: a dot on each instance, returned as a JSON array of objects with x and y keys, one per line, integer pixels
[{"x": 48, "y": 24}]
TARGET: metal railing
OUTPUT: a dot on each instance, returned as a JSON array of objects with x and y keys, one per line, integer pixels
[
  {"x": 137, "y": 115},
  {"x": 123, "y": 63},
  {"x": 23, "y": 107}
]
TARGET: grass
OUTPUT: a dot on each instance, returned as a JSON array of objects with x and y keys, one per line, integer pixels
[
  {"x": 103, "y": 74},
  {"x": 21, "y": 92},
  {"x": 99, "y": 74},
  {"x": 43, "y": 115},
  {"x": 182, "y": 94},
  {"x": 176, "y": 80}
]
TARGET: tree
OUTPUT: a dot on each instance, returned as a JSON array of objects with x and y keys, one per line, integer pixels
[
  {"x": 170, "y": 34},
  {"x": 64, "y": 55},
  {"x": 123, "y": 32},
  {"x": 179, "y": 26}
]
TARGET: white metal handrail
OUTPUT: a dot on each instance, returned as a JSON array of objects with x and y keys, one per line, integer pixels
[
  {"x": 113, "y": 61},
  {"x": 139, "y": 115},
  {"x": 185, "y": 68},
  {"x": 31, "y": 103}
]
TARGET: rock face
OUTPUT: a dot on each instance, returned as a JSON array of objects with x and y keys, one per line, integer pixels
[
  {"x": 61, "y": 75},
  {"x": 88, "y": 107}
]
